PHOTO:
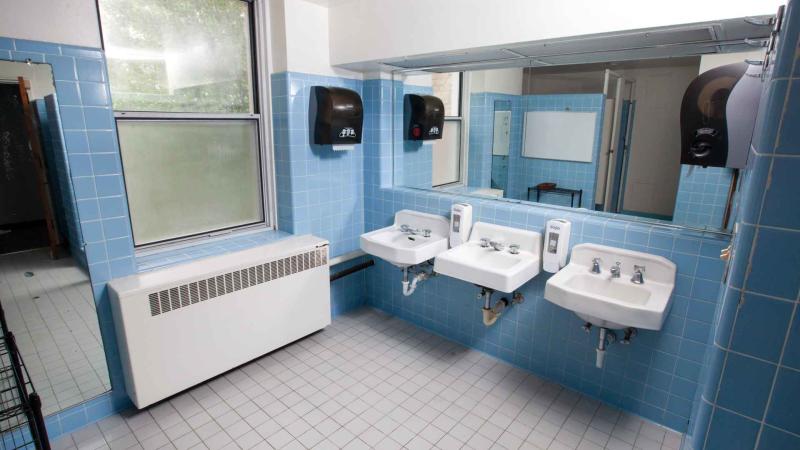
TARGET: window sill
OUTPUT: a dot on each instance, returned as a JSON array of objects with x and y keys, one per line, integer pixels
[{"x": 152, "y": 260}]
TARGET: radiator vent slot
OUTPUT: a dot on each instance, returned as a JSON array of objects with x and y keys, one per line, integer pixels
[{"x": 199, "y": 291}]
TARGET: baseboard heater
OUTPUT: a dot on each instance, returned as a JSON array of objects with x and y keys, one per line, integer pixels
[{"x": 179, "y": 326}]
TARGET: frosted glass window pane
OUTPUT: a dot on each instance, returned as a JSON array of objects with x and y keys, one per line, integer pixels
[
  {"x": 187, "y": 177},
  {"x": 178, "y": 55},
  {"x": 447, "y": 154}
]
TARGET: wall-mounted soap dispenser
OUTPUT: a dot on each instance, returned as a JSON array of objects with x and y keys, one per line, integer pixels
[
  {"x": 336, "y": 117},
  {"x": 423, "y": 117},
  {"x": 460, "y": 223},
  {"x": 556, "y": 245}
]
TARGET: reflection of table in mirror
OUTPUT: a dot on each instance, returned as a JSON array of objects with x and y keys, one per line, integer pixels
[{"x": 560, "y": 191}]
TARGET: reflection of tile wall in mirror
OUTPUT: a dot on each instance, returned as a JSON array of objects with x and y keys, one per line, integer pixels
[
  {"x": 631, "y": 164},
  {"x": 48, "y": 302}
]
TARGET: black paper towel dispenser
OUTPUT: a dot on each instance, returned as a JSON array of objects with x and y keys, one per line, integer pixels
[
  {"x": 424, "y": 117},
  {"x": 336, "y": 115},
  {"x": 718, "y": 116}
]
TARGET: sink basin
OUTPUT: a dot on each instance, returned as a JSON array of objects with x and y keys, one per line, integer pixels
[
  {"x": 499, "y": 270},
  {"x": 407, "y": 249},
  {"x": 614, "y": 302}
]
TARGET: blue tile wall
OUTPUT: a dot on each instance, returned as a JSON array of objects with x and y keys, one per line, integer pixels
[
  {"x": 656, "y": 377},
  {"x": 84, "y": 108},
  {"x": 320, "y": 191},
  {"x": 66, "y": 205},
  {"x": 702, "y": 196},
  {"x": 319, "y": 182},
  {"x": 481, "y": 170},
  {"x": 414, "y": 165},
  {"x": 750, "y": 387},
  {"x": 184, "y": 254},
  {"x": 523, "y": 172},
  {"x": 526, "y": 172}
]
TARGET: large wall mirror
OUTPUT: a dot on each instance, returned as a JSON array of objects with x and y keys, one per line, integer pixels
[
  {"x": 591, "y": 124},
  {"x": 45, "y": 289}
]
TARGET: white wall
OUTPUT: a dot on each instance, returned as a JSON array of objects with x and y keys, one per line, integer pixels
[
  {"x": 708, "y": 62},
  {"x": 300, "y": 38},
  {"x": 500, "y": 81},
  {"x": 654, "y": 165},
  {"x": 40, "y": 77},
  {"x": 62, "y": 21},
  {"x": 374, "y": 30}
]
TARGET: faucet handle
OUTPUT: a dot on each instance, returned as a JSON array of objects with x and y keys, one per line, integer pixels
[
  {"x": 513, "y": 249},
  {"x": 405, "y": 228},
  {"x": 426, "y": 233},
  {"x": 484, "y": 242},
  {"x": 638, "y": 274},
  {"x": 595, "y": 265}
]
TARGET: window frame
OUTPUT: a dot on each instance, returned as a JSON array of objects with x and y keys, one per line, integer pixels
[
  {"x": 258, "y": 15},
  {"x": 460, "y": 119}
]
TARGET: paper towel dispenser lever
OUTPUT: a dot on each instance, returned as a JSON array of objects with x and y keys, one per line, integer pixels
[
  {"x": 336, "y": 115},
  {"x": 424, "y": 117},
  {"x": 718, "y": 116}
]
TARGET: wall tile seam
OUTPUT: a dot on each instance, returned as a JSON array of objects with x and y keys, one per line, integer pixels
[
  {"x": 752, "y": 419},
  {"x": 775, "y": 376},
  {"x": 777, "y": 365}
]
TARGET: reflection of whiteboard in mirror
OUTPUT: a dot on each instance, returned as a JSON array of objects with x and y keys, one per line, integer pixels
[
  {"x": 502, "y": 133},
  {"x": 562, "y": 135}
]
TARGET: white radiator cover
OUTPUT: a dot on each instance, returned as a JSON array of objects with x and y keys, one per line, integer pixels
[{"x": 176, "y": 329}]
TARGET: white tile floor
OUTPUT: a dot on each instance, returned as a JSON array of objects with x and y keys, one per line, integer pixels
[
  {"x": 53, "y": 317},
  {"x": 371, "y": 381}
]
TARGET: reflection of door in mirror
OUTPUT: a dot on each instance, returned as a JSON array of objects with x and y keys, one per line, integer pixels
[
  {"x": 501, "y": 143},
  {"x": 45, "y": 290}
]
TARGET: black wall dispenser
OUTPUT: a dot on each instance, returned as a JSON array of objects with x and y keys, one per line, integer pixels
[
  {"x": 424, "y": 117},
  {"x": 336, "y": 116},
  {"x": 718, "y": 116}
]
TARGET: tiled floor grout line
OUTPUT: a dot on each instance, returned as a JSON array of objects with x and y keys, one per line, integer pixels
[
  {"x": 370, "y": 380},
  {"x": 51, "y": 315}
]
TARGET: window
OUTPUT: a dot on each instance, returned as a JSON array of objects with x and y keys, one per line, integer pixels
[
  {"x": 183, "y": 86},
  {"x": 447, "y": 151}
]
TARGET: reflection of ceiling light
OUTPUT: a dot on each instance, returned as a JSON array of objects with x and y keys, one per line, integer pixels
[{"x": 134, "y": 54}]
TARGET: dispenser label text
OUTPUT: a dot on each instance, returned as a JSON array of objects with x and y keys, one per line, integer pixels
[{"x": 347, "y": 133}]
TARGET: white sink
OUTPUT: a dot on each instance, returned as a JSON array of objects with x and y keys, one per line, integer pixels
[
  {"x": 614, "y": 302},
  {"x": 500, "y": 270},
  {"x": 405, "y": 249}
]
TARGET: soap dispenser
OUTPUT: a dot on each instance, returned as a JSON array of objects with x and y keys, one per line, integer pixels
[
  {"x": 556, "y": 245},
  {"x": 460, "y": 223}
]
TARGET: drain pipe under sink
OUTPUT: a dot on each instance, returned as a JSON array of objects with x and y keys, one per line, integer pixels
[
  {"x": 606, "y": 337},
  {"x": 410, "y": 286}
]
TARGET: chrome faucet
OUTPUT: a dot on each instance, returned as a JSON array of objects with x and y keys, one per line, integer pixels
[
  {"x": 513, "y": 249},
  {"x": 638, "y": 274},
  {"x": 498, "y": 246},
  {"x": 485, "y": 242},
  {"x": 595, "y": 265},
  {"x": 615, "y": 270}
]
